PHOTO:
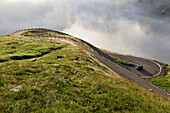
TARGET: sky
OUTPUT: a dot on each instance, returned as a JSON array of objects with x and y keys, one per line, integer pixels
[{"x": 135, "y": 27}]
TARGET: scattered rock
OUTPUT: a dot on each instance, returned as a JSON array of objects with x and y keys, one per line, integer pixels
[
  {"x": 151, "y": 90},
  {"x": 60, "y": 57},
  {"x": 32, "y": 60},
  {"x": 168, "y": 79},
  {"x": 56, "y": 64},
  {"x": 16, "y": 89}
]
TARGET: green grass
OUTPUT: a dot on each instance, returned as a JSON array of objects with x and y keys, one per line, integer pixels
[
  {"x": 162, "y": 81},
  {"x": 52, "y": 34},
  {"x": 117, "y": 59},
  {"x": 55, "y": 34},
  {"x": 75, "y": 83},
  {"x": 122, "y": 62},
  {"x": 17, "y": 49}
]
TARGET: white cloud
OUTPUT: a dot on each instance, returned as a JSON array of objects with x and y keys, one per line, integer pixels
[
  {"x": 126, "y": 26},
  {"x": 25, "y": 1}
]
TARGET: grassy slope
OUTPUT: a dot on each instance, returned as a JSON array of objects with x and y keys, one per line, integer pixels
[
  {"x": 163, "y": 81},
  {"x": 75, "y": 83},
  {"x": 53, "y": 34}
]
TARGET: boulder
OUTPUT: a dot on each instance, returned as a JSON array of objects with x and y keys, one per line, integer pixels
[
  {"x": 56, "y": 64},
  {"x": 16, "y": 89},
  {"x": 151, "y": 90},
  {"x": 32, "y": 60}
]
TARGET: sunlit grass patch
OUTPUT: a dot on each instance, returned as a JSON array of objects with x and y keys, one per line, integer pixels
[
  {"x": 122, "y": 62},
  {"x": 56, "y": 34},
  {"x": 17, "y": 48}
]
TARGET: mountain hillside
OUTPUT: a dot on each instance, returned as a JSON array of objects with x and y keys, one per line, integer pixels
[{"x": 38, "y": 75}]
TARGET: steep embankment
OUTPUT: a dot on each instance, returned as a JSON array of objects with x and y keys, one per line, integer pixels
[{"x": 65, "y": 79}]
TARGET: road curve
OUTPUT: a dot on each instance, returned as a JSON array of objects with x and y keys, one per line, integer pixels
[
  {"x": 130, "y": 73},
  {"x": 150, "y": 68}
]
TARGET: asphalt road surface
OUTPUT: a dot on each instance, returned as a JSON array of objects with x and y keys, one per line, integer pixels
[{"x": 150, "y": 68}]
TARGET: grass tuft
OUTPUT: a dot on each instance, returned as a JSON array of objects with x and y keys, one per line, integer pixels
[{"x": 121, "y": 61}]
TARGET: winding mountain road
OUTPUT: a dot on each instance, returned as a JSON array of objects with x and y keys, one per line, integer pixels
[{"x": 151, "y": 69}]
